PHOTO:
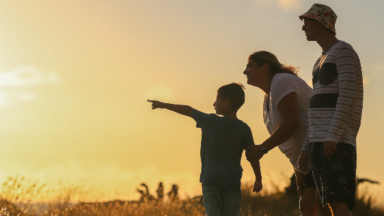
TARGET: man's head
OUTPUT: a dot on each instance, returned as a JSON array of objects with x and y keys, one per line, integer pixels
[
  {"x": 318, "y": 20},
  {"x": 229, "y": 96}
]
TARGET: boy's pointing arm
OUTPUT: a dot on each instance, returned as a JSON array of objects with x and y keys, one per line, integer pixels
[{"x": 181, "y": 109}]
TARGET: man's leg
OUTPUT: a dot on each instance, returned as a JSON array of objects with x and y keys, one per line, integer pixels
[
  {"x": 317, "y": 171},
  {"x": 308, "y": 206},
  {"x": 339, "y": 179},
  {"x": 324, "y": 210},
  {"x": 340, "y": 209}
]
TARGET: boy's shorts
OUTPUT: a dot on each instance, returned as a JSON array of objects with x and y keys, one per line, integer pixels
[
  {"x": 221, "y": 201},
  {"x": 335, "y": 178}
]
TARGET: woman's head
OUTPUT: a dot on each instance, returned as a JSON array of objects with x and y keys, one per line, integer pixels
[{"x": 262, "y": 65}]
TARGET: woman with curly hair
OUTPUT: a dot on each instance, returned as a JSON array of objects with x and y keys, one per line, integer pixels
[{"x": 285, "y": 112}]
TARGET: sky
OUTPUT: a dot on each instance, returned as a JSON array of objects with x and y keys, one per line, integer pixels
[{"x": 75, "y": 77}]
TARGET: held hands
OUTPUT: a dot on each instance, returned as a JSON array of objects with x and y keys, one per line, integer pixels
[
  {"x": 303, "y": 161},
  {"x": 156, "y": 104},
  {"x": 329, "y": 149},
  {"x": 257, "y": 186},
  {"x": 254, "y": 153}
]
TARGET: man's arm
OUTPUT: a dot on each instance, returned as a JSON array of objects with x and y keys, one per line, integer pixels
[
  {"x": 346, "y": 63},
  {"x": 289, "y": 111},
  {"x": 181, "y": 109}
]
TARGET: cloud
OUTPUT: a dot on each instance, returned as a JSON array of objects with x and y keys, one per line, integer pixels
[
  {"x": 372, "y": 74},
  {"x": 290, "y": 4},
  {"x": 27, "y": 76},
  {"x": 159, "y": 92},
  {"x": 4, "y": 101},
  {"x": 287, "y": 5},
  {"x": 12, "y": 84}
]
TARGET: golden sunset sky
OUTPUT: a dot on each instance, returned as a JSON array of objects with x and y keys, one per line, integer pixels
[{"x": 75, "y": 77}]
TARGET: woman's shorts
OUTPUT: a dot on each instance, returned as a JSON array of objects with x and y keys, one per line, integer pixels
[{"x": 309, "y": 181}]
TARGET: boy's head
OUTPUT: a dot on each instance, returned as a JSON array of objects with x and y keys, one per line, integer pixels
[{"x": 229, "y": 96}]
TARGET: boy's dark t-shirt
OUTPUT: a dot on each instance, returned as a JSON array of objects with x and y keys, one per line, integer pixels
[{"x": 222, "y": 143}]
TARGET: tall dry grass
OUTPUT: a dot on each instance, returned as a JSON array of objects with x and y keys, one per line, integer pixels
[{"x": 18, "y": 198}]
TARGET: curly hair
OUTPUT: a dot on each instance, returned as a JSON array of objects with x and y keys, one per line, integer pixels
[{"x": 262, "y": 57}]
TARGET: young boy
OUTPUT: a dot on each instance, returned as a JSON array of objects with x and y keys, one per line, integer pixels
[{"x": 222, "y": 143}]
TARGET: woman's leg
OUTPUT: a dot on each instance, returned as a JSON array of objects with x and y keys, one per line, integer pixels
[{"x": 308, "y": 205}]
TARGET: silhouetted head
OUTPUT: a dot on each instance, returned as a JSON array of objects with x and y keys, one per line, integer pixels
[
  {"x": 319, "y": 20},
  {"x": 229, "y": 96}
]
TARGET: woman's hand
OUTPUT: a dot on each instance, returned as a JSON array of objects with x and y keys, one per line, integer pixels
[
  {"x": 299, "y": 182},
  {"x": 303, "y": 161},
  {"x": 254, "y": 153}
]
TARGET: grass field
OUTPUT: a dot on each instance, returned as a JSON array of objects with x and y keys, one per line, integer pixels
[{"x": 19, "y": 198}]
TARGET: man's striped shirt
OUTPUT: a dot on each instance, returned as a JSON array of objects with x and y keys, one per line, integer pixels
[{"x": 337, "y": 100}]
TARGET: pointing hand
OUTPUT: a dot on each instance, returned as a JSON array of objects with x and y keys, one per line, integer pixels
[{"x": 156, "y": 104}]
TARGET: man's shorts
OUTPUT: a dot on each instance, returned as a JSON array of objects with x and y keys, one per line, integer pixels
[
  {"x": 335, "y": 178},
  {"x": 221, "y": 201}
]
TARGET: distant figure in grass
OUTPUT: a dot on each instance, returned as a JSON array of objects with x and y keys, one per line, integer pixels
[
  {"x": 173, "y": 194},
  {"x": 223, "y": 140},
  {"x": 334, "y": 114},
  {"x": 160, "y": 191}
]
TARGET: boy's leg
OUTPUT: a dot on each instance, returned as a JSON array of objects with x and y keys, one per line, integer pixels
[
  {"x": 231, "y": 202},
  {"x": 212, "y": 201}
]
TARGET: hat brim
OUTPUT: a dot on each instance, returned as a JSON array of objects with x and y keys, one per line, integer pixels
[{"x": 305, "y": 16}]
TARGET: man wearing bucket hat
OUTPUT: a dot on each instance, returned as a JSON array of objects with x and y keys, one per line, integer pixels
[{"x": 334, "y": 114}]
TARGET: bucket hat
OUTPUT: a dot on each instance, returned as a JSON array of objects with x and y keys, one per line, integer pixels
[{"x": 322, "y": 13}]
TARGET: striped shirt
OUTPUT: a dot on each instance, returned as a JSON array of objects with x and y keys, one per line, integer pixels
[{"x": 337, "y": 100}]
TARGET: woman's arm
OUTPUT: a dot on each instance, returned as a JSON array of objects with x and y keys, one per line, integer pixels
[{"x": 289, "y": 111}]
